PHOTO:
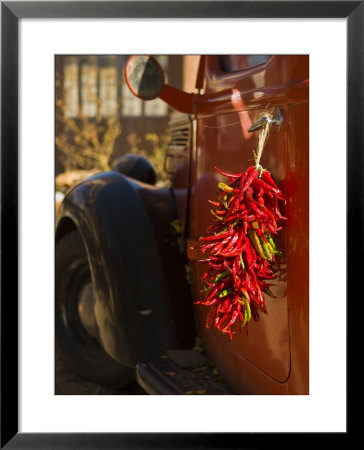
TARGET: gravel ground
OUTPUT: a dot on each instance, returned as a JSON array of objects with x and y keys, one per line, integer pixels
[{"x": 69, "y": 383}]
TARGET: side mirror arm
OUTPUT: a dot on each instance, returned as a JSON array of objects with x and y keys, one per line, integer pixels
[{"x": 179, "y": 100}]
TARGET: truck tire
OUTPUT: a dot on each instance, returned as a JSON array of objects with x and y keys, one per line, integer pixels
[{"x": 78, "y": 346}]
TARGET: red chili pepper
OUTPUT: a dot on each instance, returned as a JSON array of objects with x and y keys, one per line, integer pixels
[
  {"x": 228, "y": 175},
  {"x": 216, "y": 237},
  {"x": 213, "y": 293},
  {"x": 261, "y": 234},
  {"x": 234, "y": 316},
  {"x": 245, "y": 176},
  {"x": 266, "y": 187},
  {"x": 233, "y": 240},
  {"x": 268, "y": 178},
  {"x": 237, "y": 250},
  {"x": 253, "y": 174},
  {"x": 218, "y": 246}
]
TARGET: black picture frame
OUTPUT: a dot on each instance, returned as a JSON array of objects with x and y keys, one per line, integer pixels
[{"x": 11, "y": 12}]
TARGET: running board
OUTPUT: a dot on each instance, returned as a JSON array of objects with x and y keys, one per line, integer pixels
[{"x": 181, "y": 372}]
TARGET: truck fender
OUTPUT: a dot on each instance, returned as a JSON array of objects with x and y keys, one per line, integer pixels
[{"x": 131, "y": 299}]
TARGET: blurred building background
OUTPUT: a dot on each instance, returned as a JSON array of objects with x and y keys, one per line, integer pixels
[{"x": 98, "y": 119}]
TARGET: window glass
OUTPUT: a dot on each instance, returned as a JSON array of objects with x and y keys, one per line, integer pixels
[
  {"x": 70, "y": 75},
  {"x": 234, "y": 63},
  {"x": 155, "y": 107},
  {"x": 131, "y": 105},
  {"x": 89, "y": 72},
  {"x": 108, "y": 86}
]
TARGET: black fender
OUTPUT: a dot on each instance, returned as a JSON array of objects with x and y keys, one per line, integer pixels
[{"x": 136, "y": 313}]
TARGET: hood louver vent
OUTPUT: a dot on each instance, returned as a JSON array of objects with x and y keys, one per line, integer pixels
[
  {"x": 178, "y": 147},
  {"x": 180, "y": 137}
]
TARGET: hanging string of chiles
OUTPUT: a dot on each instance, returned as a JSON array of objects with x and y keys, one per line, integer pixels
[{"x": 240, "y": 244}]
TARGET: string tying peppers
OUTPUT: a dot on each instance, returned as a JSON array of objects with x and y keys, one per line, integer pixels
[{"x": 241, "y": 248}]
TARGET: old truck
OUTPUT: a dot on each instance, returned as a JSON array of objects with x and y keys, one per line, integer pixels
[{"x": 127, "y": 260}]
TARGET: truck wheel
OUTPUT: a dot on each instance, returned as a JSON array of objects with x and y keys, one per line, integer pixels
[{"x": 75, "y": 323}]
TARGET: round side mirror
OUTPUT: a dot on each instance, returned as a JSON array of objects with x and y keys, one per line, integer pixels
[{"x": 144, "y": 77}]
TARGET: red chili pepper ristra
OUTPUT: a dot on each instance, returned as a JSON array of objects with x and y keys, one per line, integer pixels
[{"x": 241, "y": 248}]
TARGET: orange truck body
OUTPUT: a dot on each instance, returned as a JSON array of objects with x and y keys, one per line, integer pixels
[{"x": 269, "y": 356}]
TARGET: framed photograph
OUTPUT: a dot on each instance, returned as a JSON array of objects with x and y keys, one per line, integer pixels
[{"x": 63, "y": 59}]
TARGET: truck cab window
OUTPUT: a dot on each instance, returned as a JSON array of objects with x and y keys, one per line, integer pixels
[{"x": 235, "y": 63}]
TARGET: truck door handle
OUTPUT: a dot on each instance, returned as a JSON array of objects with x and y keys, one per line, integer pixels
[{"x": 277, "y": 120}]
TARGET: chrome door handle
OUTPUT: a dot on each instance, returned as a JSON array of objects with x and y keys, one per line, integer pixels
[{"x": 277, "y": 120}]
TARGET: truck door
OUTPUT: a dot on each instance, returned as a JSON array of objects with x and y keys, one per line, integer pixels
[{"x": 237, "y": 90}]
